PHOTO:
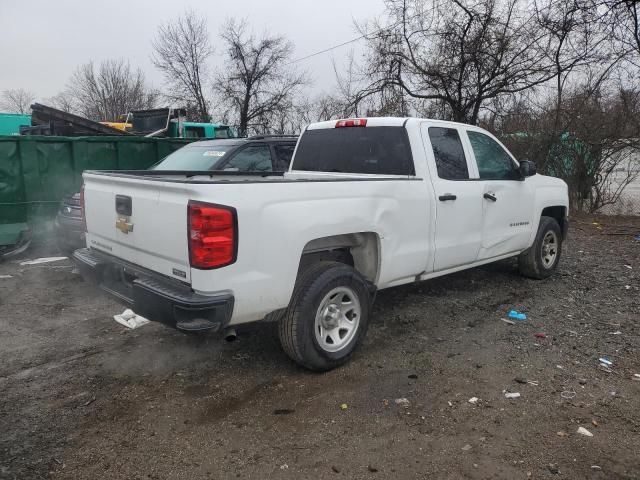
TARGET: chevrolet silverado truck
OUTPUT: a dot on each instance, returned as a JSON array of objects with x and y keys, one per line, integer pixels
[{"x": 366, "y": 204}]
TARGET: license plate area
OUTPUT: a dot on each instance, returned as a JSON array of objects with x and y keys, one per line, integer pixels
[{"x": 118, "y": 280}]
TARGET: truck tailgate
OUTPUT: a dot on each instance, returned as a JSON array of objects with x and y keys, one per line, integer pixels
[{"x": 141, "y": 221}]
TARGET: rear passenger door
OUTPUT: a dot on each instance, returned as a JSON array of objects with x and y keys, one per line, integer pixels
[
  {"x": 507, "y": 199},
  {"x": 458, "y": 225}
]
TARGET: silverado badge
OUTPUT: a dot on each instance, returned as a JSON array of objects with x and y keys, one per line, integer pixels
[{"x": 124, "y": 225}]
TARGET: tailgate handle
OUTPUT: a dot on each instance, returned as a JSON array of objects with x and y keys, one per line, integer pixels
[{"x": 123, "y": 205}]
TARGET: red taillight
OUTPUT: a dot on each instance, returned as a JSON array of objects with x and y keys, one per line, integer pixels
[
  {"x": 352, "y": 122},
  {"x": 212, "y": 235},
  {"x": 82, "y": 209}
]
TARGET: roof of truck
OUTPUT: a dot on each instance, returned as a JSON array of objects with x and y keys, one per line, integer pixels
[{"x": 381, "y": 122}]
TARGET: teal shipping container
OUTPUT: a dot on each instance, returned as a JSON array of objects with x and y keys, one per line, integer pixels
[{"x": 10, "y": 123}]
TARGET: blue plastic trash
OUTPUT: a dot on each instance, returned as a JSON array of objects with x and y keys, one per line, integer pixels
[{"x": 516, "y": 315}]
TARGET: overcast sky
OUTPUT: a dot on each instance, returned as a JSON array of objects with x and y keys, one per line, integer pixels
[{"x": 44, "y": 41}]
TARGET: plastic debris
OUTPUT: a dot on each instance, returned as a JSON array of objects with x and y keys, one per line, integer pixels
[
  {"x": 568, "y": 394},
  {"x": 38, "y": 261},
  {"x": 512, "y": 394},
  {"x": 636, "y": 376},
  {"x": 605, "y": 362},
  {"x": 473, "y": 400},
  {"x": 130, "y": 319},
  {"x": 3, "y": 277},
  {"x": 585, "y": 432},
  {"x": 466, "y": 448},
  {"x": 540, "y": 335},
  {"x": 617, "y": 332},
  {"x": 402, "y": 402},
  {"x": 562, "y": 434},
  {"x": 596, "y": 467},
  {"x": 516, "y": 315},
  {"x": 344, "y": 406},
  {"x": 508, "y": 321},
  {"x": 637, "y": 237}
]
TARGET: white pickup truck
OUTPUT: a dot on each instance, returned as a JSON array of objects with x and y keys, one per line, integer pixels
[{"x": 366, "y": 204}]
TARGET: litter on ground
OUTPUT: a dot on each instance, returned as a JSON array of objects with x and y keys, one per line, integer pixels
[
  {"x": 38, "y": 261},
  {"x": 3, "y": 277},
  {"x": 585, "y": 432},
  {"x": 605, "y": 362},
  {"x": 130, "y": 319},
  {"x": 516, "y": 315},
  {"x": 512, "y": 395}
]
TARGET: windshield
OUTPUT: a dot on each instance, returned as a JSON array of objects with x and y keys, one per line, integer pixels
[{"x": 194, "y": 158}]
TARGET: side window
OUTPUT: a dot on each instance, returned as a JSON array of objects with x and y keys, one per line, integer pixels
[
  {"x": 493, "y": 162},
  {"x": 255, "y": 158},
  {"x": 449, "y": 154},
  {"x": 283, "y": 157}
]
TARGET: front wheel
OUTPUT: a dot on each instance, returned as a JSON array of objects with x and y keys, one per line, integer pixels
[
  {"x": 328, "y": 316},
  {"x": 542, "y": 258}
]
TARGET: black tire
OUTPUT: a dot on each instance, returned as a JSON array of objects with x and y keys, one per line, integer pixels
[
  {"x": 531, "y": 262},
  {"x": 297, "y": 326}
]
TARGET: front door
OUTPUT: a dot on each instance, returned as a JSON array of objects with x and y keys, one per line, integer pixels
[
  {"x": 507, "y": 199},
  {"x": 458, "y": 199}
]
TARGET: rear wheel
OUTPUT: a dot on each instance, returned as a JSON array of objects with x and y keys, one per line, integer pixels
[
  {"x": 328, "y": 316},
  {"x": 542, "y": 259}
]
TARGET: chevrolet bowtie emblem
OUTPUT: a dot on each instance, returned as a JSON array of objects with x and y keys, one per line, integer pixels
[{"x": 124, "y": 226}]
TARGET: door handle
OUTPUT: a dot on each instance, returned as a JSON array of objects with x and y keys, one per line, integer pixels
[
  {"x": 490, "y": 196},
  {"x": 447, "y": 196}
]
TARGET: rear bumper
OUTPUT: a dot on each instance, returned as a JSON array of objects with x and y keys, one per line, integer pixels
[{"x": 153, "y": 296}]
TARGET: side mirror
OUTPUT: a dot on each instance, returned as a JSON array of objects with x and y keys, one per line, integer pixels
[{"x": 527, "y": 168}]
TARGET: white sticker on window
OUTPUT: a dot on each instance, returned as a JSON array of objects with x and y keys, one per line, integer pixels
[{"x": 213, "y": 153}]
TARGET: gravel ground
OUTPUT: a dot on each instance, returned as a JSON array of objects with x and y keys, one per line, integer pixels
[{"x": 83, "y": 397}]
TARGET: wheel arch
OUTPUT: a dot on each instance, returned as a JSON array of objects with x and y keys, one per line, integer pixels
[
  {"x": 559, "y": 213},
  {"x": 361, "y": 250}
]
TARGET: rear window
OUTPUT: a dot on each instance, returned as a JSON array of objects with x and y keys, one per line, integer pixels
[
  {"x": 194, "y": 158},
  {"x": 381, "y": 150}
]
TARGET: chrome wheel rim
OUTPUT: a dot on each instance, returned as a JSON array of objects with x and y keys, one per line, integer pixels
[
  {"x": 337, "y": 319},
  {"x": 549, "y": 249}
]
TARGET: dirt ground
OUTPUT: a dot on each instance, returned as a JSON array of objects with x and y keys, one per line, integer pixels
[{"x": 83, "y": 397}]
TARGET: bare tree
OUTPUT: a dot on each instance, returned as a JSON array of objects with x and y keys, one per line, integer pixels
[
  {"x": 17, "y": 100},
  {"x": 258, "y": 79},
  {"x": 456, "y": 55},
  {"x": 182, "y": 51},
  {"x": 62, "y": 101},
  {"x": 110, "y": 90}
]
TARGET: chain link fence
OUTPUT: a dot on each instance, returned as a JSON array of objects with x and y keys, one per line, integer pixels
[{"x": 629, "y": 201}]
